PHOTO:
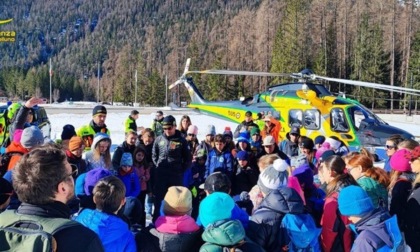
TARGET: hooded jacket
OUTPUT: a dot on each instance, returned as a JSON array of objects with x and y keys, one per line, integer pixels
[
  {"x": 88, "y": 156},
  {"x": 113, "y": 232},
  {"x": 227, "y": 233},
  {"x": 264, "y": 226},
  {"x": 116, "y": 157},
  {"x": 372, "y": 233}
]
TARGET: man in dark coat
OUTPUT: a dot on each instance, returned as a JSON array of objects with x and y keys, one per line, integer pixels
[{"x": 172, "y": 157}]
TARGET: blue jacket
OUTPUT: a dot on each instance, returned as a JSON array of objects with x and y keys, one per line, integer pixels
[
  {"x": 376, "y": 231},
  {"x": 132, "y": 184},
  {"x": 219, "y": 160},
  {"x": 264, "y": 226},
  {"x": 112, "y": 231}
]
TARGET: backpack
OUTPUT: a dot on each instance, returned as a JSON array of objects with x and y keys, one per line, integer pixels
[
  {"x": 29, "y": 232},
  {"x": 393, "y": 230},
  {"x": 300, "y": 233},
  {"x": 5, "y": 160}
]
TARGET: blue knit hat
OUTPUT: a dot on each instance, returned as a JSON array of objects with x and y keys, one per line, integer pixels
[
  {"x": 242, "y": 155},
  {"x": 354, "y": 201},
  {"x": 126, "y": 159},
  {"x": 215, "y": 207},
  {"x": 243, "y": 137}
]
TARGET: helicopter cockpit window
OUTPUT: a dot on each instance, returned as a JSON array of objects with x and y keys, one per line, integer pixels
[
  {"x": 295, "y": 117},
  {"x": 338, "y": 121},
  {"x": 311, "y": 119}
]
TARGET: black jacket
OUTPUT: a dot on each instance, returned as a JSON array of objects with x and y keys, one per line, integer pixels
[
  {"x": 116, "y": 158},
  {"x": 74, "y": 238},
  {"x": 412, "y": 220},
  {"x": 171, "y": 155},
  {"x": 264, "y": 226},
  {"x": 244, "y": 125}
]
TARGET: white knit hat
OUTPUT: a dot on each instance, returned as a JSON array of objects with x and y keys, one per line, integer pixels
[{"x": 274, "y": 176}]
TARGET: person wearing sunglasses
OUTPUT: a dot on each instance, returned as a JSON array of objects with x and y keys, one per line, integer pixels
[
  {"x": 172, "y": 157},
  {"x": 391, "y": 146}
]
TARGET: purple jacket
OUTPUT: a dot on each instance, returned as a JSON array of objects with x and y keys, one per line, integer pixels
[{"x": 371, "y": 231}]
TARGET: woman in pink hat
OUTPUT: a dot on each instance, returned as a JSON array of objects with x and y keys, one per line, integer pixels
[{"x": 400, "y": 185}]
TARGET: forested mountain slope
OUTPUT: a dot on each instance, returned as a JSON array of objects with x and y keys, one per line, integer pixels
[{"x": 368, "y": 40}]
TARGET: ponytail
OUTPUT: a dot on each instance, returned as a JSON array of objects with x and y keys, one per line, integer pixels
[{"x": 379, "y": 175}]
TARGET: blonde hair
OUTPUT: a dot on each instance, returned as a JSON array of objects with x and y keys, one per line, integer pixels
[
  {"x": 107, "y": 156},
  {"x": 266, "y": 161}
]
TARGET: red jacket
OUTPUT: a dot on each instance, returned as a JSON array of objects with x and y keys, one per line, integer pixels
[{"x": 330, "y": 228}]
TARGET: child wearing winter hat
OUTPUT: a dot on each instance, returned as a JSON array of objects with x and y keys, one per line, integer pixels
[
  {"x": 246, "y": 176},
  {"x": 109, "y": 197},
  {"x": 176, "y": 208},
  {"x": 219, "y": 159},
  {"x": 128, "y": 176},
  {"x": 133, "y": 206},
  {"x": 175, "y": 229},
  {"x": 230, "y": 145},
  {"x": 274, "y": 176},
  {"x": 400, "y": 184},
  {"x": 67, "y": 133},
  {"x": 374, "y": 228}
]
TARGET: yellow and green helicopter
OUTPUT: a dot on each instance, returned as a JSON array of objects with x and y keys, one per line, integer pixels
[{"x": 305, "y": 104}]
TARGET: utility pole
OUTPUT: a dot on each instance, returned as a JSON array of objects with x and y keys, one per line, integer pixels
[
  {"x": 166, "y": 89},
  {"x": 135, "y": 94},
  {"x": 51, "y": 73},
  {"x": 97, "y": 99}
]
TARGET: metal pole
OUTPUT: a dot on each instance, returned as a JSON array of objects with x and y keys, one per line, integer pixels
[
  {"x": 411, "y": 96},
  {"x": 135, "y": 94},
  {"x": 166, "y": 89},
  {"x": 97, "y": 99},
  {"x": 50, "y": 82}
]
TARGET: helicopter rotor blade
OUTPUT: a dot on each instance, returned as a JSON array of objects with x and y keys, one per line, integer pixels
[
  {"x": 245, "y": 73},
  {"x": 372, "y": 85},
  {"x": 182, "y": 78}
]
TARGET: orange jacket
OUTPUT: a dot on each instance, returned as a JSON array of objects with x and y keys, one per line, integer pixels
[
  {"x": 16, "y": 148},
  {"x": 273, "y": 131}
]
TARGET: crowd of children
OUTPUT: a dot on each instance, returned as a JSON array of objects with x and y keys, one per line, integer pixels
[{"x": 248, "y": 190}]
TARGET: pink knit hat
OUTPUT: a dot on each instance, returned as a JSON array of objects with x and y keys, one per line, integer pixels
[
  {"x": 192, "y": 129},
  {"x": 399, "y": 162}
]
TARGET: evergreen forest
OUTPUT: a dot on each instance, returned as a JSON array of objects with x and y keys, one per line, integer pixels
[{"x": 102, "y": 50}]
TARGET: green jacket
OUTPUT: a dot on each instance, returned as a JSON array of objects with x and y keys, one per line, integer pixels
[
  {"x": 87, "y": 133},
  {"x": 130, "y": 124},
  {"x": 227, "y": 234},
  {"x": 376, "y": 191},
  {"x": 157, "y": 127}
]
